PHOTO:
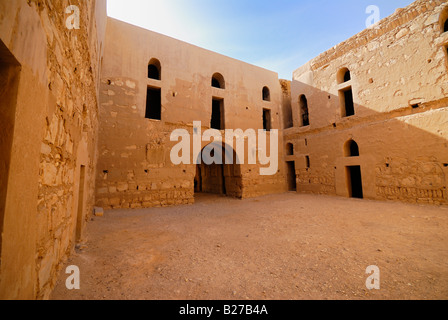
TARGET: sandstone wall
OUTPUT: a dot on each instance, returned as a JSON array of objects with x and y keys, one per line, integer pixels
[
  {"x": 55, "y": 133},
  {"x": 134, "y": 168},
  {"x": 398, "y": 77}
]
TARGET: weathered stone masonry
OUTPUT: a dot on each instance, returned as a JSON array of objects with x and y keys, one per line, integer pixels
[
  {"x": 398, "y": 76},
  {"x": 134, "y": 167},
  {"x": 55, "y": 135},
  {"x": 86, "y": 117}
]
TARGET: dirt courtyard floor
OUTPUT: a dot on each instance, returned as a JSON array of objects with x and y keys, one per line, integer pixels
[{"x": 287, "y": 246}]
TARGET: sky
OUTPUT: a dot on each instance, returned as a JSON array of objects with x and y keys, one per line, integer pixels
[{"x": 279, "y": 35}]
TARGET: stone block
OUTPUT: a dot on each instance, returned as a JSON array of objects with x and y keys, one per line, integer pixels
[{"x": 98, "y": 212}]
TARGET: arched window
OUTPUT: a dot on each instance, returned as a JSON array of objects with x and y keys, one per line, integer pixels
[
  {"x": 351, "y": 149},
  {"x": 304, "y": 114},
  {"x": 289, "y": 149},
  {"x": 218, "y": 81},
  {"x": 344, "y": 75},
  {"x": 218, "y": 121},
  {"x": 266, "y": 94},
  {"x": 347, "y": 76},
  {"x": 154, "y": 69}
]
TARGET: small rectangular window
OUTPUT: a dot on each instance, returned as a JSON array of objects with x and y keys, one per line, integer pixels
[
  {"x": 303, "y": 103},
  {"x": 217, "y": 121},
  {"x": 154, "y": 104},
  {"x": 347, "y": 102},
  {"x": 267, "y": 120}
]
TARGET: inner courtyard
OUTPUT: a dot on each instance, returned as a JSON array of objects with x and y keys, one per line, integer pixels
[{"x": 283, "y": 246}]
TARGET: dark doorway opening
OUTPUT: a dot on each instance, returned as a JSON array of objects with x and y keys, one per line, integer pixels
[
  {"x": 82, "y": 177},
  {"x": 210, "y": 179},
  {"x": 217, "y": 121},
  {"x": 198, "y": 180},
  {"x": 9, "y": 83},
  {"x": 354, "y": 180},
  {"x": 224, "y": 188},
  {"x": 223, "y": 178},
  {"x": 292, "y": 180},
  {"x": 154, "y": 104}
]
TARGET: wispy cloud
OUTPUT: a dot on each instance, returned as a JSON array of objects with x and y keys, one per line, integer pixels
[
  {"x": 277, "y": 35},
  {"x": 284, "y": 64},
  {"x": 168, "y": 17}
]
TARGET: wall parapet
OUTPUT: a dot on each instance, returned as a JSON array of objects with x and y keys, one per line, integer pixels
[{"x": 399, "y": 18}]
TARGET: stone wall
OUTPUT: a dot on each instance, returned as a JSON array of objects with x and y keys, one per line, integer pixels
[
  {"x": 401, "y": 179},
  {"x": 55, "y": 135},
  {"x": 134, "y": 168},
  {"x": 74, "y": 132},
  {"x": 398, "y": 72}
]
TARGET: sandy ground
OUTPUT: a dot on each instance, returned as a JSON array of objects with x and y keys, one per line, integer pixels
[{"x": 287, "y": 246}]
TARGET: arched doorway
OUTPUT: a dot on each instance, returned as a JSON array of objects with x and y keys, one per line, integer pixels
[
  {"x": 224, "y": 177},
  {"x": 354, "y": 173}
]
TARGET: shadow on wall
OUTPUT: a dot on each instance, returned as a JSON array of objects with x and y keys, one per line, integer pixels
[
  {"x": 9, "y": 80},
  {"x": 397, "y": 155}
]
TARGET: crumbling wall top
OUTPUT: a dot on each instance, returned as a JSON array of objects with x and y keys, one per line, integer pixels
[{"x": 399, "y": 18}]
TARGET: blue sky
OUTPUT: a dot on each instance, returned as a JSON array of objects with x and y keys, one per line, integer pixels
[{"x": 279, "y": 35}]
